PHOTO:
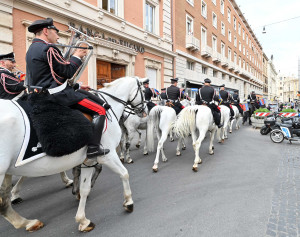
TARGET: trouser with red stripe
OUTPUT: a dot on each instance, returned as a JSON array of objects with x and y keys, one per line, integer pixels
[{"x": 89, "y": 106}]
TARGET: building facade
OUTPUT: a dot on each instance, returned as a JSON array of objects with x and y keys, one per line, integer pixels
[
  {"x": 126, "y": 42},
  {"x": 290, "y": 89},
  {"x": 272, "y": 80},
  {"x": 279, "y": 88},
  {"x": 265, "y": 75},
  {"x": 213, "y": 39}
]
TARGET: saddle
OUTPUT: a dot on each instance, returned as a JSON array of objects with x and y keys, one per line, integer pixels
[
  {"x": 55, "y": 130},
  {"x": 169, "y": 104}
]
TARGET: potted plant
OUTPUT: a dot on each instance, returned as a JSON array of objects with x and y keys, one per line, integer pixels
[{"x": 258, "y": 121}]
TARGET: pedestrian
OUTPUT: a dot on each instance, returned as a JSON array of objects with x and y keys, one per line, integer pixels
[
  {"x": 47, "y": 74},
  {"x": 10, "y": 85}
]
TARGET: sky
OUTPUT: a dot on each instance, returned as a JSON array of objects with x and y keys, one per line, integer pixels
[{"x": 281, "y": 40}]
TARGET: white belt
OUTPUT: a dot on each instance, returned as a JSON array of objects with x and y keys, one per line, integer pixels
[{"x": 58, "y": 88}]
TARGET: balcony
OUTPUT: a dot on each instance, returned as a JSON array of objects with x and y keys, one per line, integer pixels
[
  {"x": 231, "y": 66},
  {"x": 245, "y": 73},
  {"x": 216, "y": 57},
  {"x": 206, "y": 51},
  {"x": 192, "y": 43},
  {"x": 224, "y": 61},
  {"x": 237, "y": 69}
]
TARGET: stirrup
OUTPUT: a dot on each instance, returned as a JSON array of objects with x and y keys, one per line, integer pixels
[{"x": 95, "y": 151}]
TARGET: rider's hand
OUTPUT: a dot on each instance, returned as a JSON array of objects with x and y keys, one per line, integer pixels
[
  {"x": 80, "y": 53},
  {"x": 106, "y": 106}
]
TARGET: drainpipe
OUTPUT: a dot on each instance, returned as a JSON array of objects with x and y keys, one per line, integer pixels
[{"x": 172, "y": 35}]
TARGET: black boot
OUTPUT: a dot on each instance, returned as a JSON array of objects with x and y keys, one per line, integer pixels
[{"x": 94, "y": 148}]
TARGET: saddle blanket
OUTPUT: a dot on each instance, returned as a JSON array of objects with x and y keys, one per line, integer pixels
[{"x": 50, "y": 129}]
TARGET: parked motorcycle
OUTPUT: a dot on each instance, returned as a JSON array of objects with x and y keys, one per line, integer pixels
[
  {"x": 271, "y": 123},
  {"x": 289, "y": 131}
]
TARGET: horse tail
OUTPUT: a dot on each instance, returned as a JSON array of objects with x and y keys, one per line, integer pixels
[
  {"x": 186, "y": 121},
  {"x": 152, "y": 124}
]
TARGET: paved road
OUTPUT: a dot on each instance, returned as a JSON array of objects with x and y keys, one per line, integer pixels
[{"x": 250, "y": 188}]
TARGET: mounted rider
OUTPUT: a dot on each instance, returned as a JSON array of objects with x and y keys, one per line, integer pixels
[
  {"x": 163, "y": 94},
  {"x": 148, "y": 95},
  {"x": 225, "y": 99},
  {"x": 206, "y": 96},
  {"x": 10, "y": 85},
  {"x": 235, "y": 100},
  {"x": 253, "y": 100},
  {"x": 47, "y": 74},
  {"x": 174, "y": 95}
]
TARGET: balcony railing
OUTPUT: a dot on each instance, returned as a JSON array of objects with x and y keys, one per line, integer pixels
[
  {"x": 206, "y": 51},
  {"x": 216, "y": 57},
  {"x": 192, "y": 43}
]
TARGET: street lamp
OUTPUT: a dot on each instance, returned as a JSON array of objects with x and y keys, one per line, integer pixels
[{"x": 264, "y": 30}]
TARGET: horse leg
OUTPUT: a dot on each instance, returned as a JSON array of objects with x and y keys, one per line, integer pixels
[
  {"x": 9, "y": 213},
  {"x": 220, "y": 135},
  {"x": 171, "y": 136},
  {"x": 237, "y": 125},
  {"x": 129, "y": 140},
  {"x": 140, "y": 138},
  {"x": 98, "y": 169},
  {"x": 183, "y": 144},
  {"x": 64, "y": 177},
  {"x": 123, "y": 146},
  {"x": 76, "y": 174},
  {"x": 145, "y": 146},
  {"x": 230, "y": 125},
  {"x": 116, "y": 166},
  {"x": 178, "y": 147},
  {"x": 85, "y": 225},
  {"x": 15, "y": 192},
  {"x": 211, "y": 142},
  {"x": 197, "y": 148}
]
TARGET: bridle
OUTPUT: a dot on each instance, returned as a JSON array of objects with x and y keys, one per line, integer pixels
[{"x": 138, "y": 108}]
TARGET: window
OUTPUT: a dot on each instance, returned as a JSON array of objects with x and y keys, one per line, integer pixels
[
  {"x": 110, "y": 6},
  {"x": 244, "y": 66},
  {"x": 235, "y": 41},
  {"x": 222, "y": 6},
  {"x": 223, "y": 76},
  {"x": 247, "y": 54},
  {"x": 204, "y": 9},
  {"x": 240, "y": 61},
  {"x": 204, "y": 70},
  {"x": 235, "y": 57},
  {"x": 149, "y": 17},
  {"x": 229, "y": 15},
  {"x": 229, "y": 35},
  {"x": 214, "y": 20},
  {"x": 190, "y": 65},
  {"x": 240, "y": 46},
  {"x": 239, "y": 29},
  {"x": 222, "y": 49},
  {"x": 246, "y": 39},
  {"x": 203, "y": 36},
  {"x": 215, "y": 73},
  {"x": 243, "y": 34},
  {"x": 189, "y": 25},
  {"x": 190, "y": 2},
  {"x": 229, "y": 53},
  {"x": 250, "y": 43},
  {"x": 214, "y": 43},
  {"x": 222, "y": 28},
  {"x": 234, "y": 23},
  {"x": 244, "y": 50},
  {"x": 214, "y": 2}
]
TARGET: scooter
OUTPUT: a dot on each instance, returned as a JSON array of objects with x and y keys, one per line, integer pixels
[
  {"x": 290, "y": 132},
  {"x": 271, "y": 123}
]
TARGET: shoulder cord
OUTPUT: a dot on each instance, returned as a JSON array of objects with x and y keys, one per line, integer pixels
[
  {"x": 4, "y": 83},
  {"x": 52, "y": 52}
]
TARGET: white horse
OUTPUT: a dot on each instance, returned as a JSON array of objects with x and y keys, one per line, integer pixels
[
  {"x": 237, "y": 117},
  {"x": 191, "y": 119},
  {"x": 12, "y": 129},
  {"x": 15, "y": 192},
  {"x": 225, "y": 120},
  {"x": 161, "y": 119},
  {"x": 131, "y": 125}
]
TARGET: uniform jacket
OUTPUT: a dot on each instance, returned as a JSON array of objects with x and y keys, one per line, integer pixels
[
  {"x": 207, "y": 95},
  {"x": 149, "y": 94},
  {"x": 252, "y": 98},
  {"x": 173, "y": 92},
  {"x": 39, "y": 74},
  {"x": 224, "y": 95},
  {"x": 10, "y": 85},
  {"x": 236, "y": 98},
  {"x": 163, "y": 96}
]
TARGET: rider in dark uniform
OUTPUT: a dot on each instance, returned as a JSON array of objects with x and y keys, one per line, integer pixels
[
  {"x": 10, "y": 85},
  {"x": 236, "y": 101},
  {"x": 205, "y": 96},
  {"x": 225, "y": 97},
  {"x": 148, "y": 95},
  {"x": 163, "y": 95},
  {"x": 173, "y": 95},
  {"x": 47, "y": 74},
  {"x": 252, "y": 101}
]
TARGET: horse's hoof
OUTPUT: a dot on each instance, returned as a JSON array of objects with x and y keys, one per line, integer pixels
[
  {"x": 122, "y": 160},
  {"x": 145, "y": 154},
  {"x": 17, "y": 201},
  {"x": 171, "y": 140},
  {"x": 155, "y": 170},
  {"x": 130, "y": 162},
  {"x": 195, "y": 169},
  {"x": 183, "y": 148},
  {"x": 178, "y": 154},
  {"x": 200, "y": 162},
  {"x": 165, "y": 160},
  {"x": 129, "y": 208},
  {"x": 137, "y": 146},
  {"x": 69, "y": 184},
  {"x": 223, "y": 140},
  {"x": 213, "y": 147},
  {"x": 211, "y": 153},
  {"x": 38, "y": 225},
  {"x": 230, "y": 131},
  {"x": 89, "y": 228}
]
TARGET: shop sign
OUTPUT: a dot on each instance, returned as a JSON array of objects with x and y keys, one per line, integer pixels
[{"x": 102, "y": 35}]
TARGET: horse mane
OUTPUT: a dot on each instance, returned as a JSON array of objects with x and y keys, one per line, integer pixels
[{"x": 115, "y": 82}]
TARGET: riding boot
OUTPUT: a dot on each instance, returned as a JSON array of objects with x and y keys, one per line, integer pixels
[{"x": 94, "y": 148}]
